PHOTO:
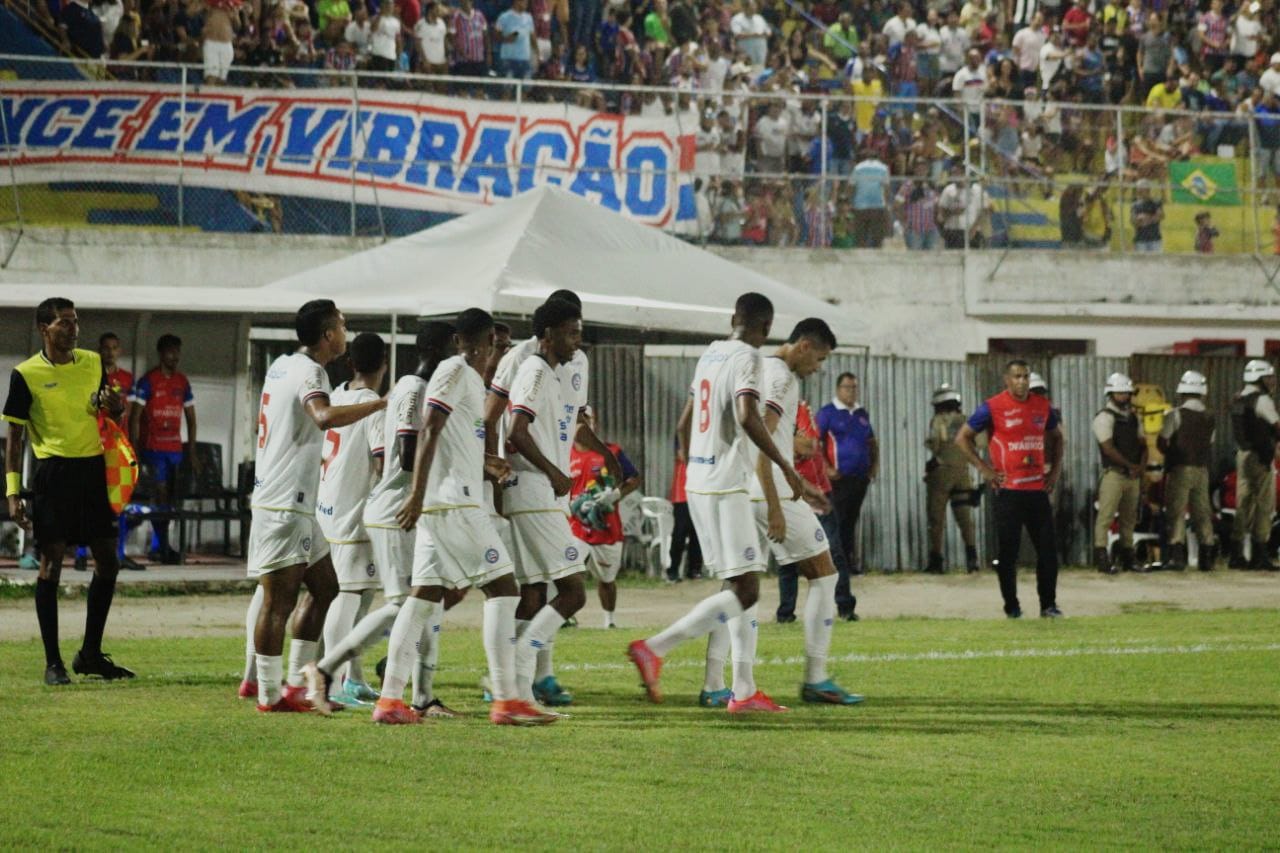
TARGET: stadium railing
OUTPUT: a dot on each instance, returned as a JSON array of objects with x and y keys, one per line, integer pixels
[{"x": 1098, "y": 157}]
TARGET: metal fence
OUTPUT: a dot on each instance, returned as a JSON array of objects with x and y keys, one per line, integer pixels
[
  {"x": 1074, "y": 187},
  {"x": 896, "y": 393}
]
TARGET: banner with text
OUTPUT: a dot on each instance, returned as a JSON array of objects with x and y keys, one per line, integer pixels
[{"x": 411, "y": 150}]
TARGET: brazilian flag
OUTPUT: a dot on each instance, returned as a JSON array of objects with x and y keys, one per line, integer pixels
[{"x": 1211, "y": 182}]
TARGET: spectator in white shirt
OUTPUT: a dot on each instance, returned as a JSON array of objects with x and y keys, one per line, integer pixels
[
  {"x": 432, "y": 33},
  {"x": 1026, "y": 45},
  {"x": 928, "y": 53},
  {"x": 384, "y": 42},
  {"x": 895, "y": 29},
  {"x": 359, "y": 32},
  {"x": 751, "y": 34},
  {"x": 1052, "y": 58},
  {"x": 969, "y": 84},
  {"x": 771, "y": 140},
  {"x": 1246, "y": 30}
]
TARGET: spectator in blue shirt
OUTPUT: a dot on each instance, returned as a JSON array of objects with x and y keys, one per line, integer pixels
[
  {"x": 870, "y": 200},
  {"x": 853, "y": 461},
  {"x": 515, "y": 36}
]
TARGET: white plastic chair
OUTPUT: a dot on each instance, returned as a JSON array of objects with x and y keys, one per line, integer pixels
[{"x": 659, "y": 524}]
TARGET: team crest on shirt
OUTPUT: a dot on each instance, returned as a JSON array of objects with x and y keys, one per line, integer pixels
[
  {"x": 306, "y": 544},
  {"x": 576, "y": 381},
  {"x": 491, "y": 556},
  {"x": 750, "y": 553},
  {"x": 818, "y": 535},
  {"x": 571, "y": 553},
  {"x": 1038, "y": 420}
]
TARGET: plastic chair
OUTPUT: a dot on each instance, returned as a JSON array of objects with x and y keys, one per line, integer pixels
[{"x": 659, "y": 523}]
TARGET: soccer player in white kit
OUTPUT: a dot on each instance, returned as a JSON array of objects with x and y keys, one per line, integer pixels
[
  {"x": 457, "y": 543},
  {"x": 286, "y": 547},
  {"x": 351, "y": 464},
  {"x": 546, "y": 549},
  {"x": 573, "y": 375},
  {"x": 392, "y": 547},
  {"x": 720, "y": 422},
  {"x": 790, "y": 527}
]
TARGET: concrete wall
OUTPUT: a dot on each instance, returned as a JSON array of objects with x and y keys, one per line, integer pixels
[{"x": 927, "y": 305}]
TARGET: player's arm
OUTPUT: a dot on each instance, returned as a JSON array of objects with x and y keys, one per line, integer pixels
[
  {"x": 631, "y": 477},
  {"x": 873, "y": 448},
  {"x": 1054, "y": 450},
  {"x": 326, "y": 416},
  {"x": 189, "y": 411},
  {"x": 423, "y": 456},
  {"x": 135, "y": 421},
  {"x": 13, "y": 452},
  {"x": 495, "y": 405},
  {"x": 764, "y": 474},
  {"x": 528, "y": 448},
  {"x": 684, "y": 430},
  {"x": 965, "y": 441},
  {"x": 747, "y": 410},
  {"x": 587, "y": 437}
]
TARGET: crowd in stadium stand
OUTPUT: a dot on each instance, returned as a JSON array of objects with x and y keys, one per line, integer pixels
[{"x": 1018, "y": 73}]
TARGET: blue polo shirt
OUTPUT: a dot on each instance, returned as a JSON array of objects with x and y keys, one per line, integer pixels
[{"x": 847, "y": 438}]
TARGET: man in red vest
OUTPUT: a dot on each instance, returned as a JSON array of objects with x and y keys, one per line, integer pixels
[{"x": 1018, "y": 422}]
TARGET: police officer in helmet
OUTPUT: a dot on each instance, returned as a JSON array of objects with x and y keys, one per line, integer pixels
[
  {"x": 1124, "y": 458},
  {"x": 948, "y": 481},
  {"x": 1186, "y": 440},
  {"x": 1255, "y": 425}
]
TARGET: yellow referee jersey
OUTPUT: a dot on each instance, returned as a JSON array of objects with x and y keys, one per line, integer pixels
[{"x": 55, "y": 404}]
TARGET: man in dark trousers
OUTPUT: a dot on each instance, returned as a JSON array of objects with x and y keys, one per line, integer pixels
[
  {"x": 54, "y": 400},
  {"x": 1019, "y": 423},
  {"x": 853, "y": 462}
]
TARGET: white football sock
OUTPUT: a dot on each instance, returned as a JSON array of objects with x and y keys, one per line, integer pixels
[
  {"x": 499, "y": 632},
  {"x": 406, "y": 637},
  {"x": 365, "y": 632},
  {"x": 338, "y": 623},
  {"x": 706, "y": 614},
  {"x": 270, "y": 674},
  {"x": 251, "y": 625},
  {"x": 545, "y": 666},
  {"x": 301, "y": 653},
  {"x": 355, "y": 667},
  {"x": 742, "y": 638},
  {"x": 717, "y": 654},
  {"x": 608, "y": 619},
  {"x": 541, "y": 631},
  {"x": 424, "y": 669},
  {"x": 819, "y": 617}
]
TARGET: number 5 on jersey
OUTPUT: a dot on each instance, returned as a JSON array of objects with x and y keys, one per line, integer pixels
[{"x": 262, "y": 420}]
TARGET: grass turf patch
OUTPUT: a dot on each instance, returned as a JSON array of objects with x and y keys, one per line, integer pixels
[{"x": 1152, "y": 729}]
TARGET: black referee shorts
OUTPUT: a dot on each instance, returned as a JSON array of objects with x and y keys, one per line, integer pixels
[{"x": 70, "y": 504}]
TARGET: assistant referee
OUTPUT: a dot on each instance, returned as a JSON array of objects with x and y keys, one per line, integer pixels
[{"x": 54, "y": 398}]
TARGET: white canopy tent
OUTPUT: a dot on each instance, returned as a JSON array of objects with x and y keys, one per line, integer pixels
[{"x": 509, "y": 257}]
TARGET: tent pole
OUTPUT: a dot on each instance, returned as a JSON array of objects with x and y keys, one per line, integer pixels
[{"x": 395, "y": 327}]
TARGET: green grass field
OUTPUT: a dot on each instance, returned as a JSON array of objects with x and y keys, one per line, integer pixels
[{"x": 1145, "y": 730}]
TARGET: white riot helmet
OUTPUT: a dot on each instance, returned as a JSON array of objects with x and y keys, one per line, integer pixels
[
  {"x": 1037, "y": 383},
  {"x": 1118, "y": 383},
  {"x": 1257, "y": 370},
  {"x": 944, "y": 393},
  {"x": 1193, "y": 383}
]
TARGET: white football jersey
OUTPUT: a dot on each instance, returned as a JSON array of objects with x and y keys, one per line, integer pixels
[
  {"x": 718, "y": 457},
  {"x": 536, "y": 393},
  {"x": 782, "y": 395},
  {"x": 573, "y": 387},
  {"x": 457, "y": 471},
  {"x": 346, "y": 470},
  {"x": 406, "y": 413},
  {"x": 287, "y": 463}
]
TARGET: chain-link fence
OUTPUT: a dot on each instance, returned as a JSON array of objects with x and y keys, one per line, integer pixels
[{"x": 305, "y": 150}]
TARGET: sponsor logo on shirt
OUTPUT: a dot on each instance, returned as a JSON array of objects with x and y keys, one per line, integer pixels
[
  {"x": 750, "y": 553},
  {"x": 306, "y": 544},
  {"x": 576, "y": 381},
  {"x": 370, "y": 570},
  {"x": 324, "y": 510},
  {"x": 491, "y": 556},
  {"x": 571, "y": 553}
]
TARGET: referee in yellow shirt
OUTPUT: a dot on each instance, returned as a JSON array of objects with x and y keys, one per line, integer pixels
[{"x": 53, "y": 402}]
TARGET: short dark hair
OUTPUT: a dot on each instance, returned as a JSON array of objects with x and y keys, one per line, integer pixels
[
  {"x": 552, "y": 313},
  {"x": 501, "y": 328},
  {"x": 566, "y": 296},
  {"x": 754, "y": 309},
  {"x": 815, "y": 329},
  {"x": 48, "y": 310},
  {"x": 472, "y": 323},
  {"x": 313, "y": 320},
  {"x": 168, "y": 342},
  {"x": 367, "y": 352},
  {"x": 846, "y": 375},
  {"x": 435, "y": 339},
  {"x": 107, "y": 336},
  {"x": 1016, "y": 362}
]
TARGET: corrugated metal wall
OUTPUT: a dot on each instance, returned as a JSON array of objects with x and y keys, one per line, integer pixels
[
  {"x": 616, "y": 379},
  {"x": 1075, "y": 384},
  {"x": 1224, "y": 375},
  {"x": 896, "y": 393}
]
